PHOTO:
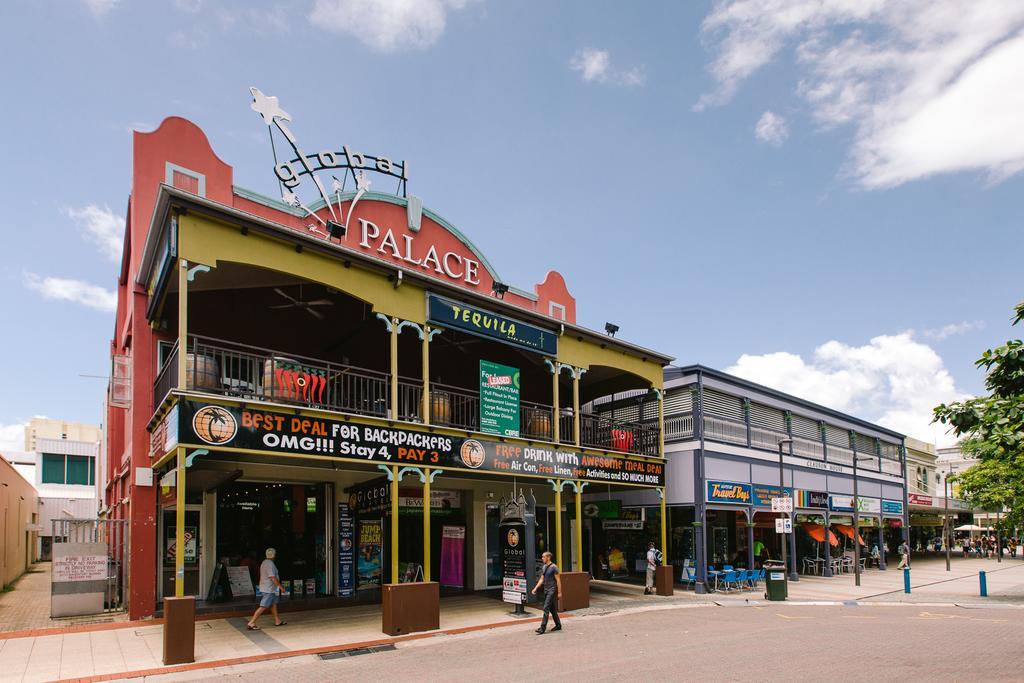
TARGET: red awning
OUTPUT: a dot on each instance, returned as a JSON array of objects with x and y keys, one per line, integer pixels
[{"x": 817, "y": 532}]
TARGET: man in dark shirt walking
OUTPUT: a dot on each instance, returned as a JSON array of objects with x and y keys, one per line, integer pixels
[{"x": 552, "y": 583}]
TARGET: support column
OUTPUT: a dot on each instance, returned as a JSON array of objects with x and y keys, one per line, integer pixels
[
  {"x": 881, "y": 544},
  {"x": 558, "y": 519},
  {"x": 664, "y": 529},
  {"x": 555, "y": 426},
  {"x": 793, "y": 574},
  {"x": 579, "y": 526},
  {"x": 394, "y": 375},
  {"x": 426, "y": 386},
  {"x": 576, "y": 406},
  {"x": 179, "y": 524},
  {"x": 750, "y": 542},
  {"x": 661, "y": 423},
  {"x": 426, "y": 524},
  {"x": 700, "y": 545},
  {"x": 827, "y": 570},
  {"x": 394, "y": 518},
  {"x": 183, "y": 324}
]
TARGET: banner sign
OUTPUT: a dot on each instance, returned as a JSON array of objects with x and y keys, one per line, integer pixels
[
  {"x": 811, "y": 499},
  {"x": 762, "y": 495},
  {"x": 919, "y": 499},
  {"x": 346, "y": 549},
  {"x": 845, "y": 503},
  {"x": 516, "y": 529},
  {"x": 602, "y": 509},
  {"x": 371, "y": 554},
  {"x": 453, "y": 556},
  {"x": 892, "y": 507},
  {"x": 728, "y": 492},
  {"x": 459, "y": 316},
  {"x": 622, "y": 524},
  {"x": 275, "y": 432},
  {"x": 499, "y": 399}
]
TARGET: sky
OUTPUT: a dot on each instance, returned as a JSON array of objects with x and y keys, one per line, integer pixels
[{"x": 823, "y": 196}]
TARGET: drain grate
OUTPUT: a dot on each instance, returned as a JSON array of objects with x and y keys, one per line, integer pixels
[{"x": 356, "y": 652}]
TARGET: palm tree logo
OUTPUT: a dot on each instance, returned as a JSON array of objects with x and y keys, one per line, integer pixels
[
  {"x": 214, "y": 425},
  {"x": 472, "y": 453}
]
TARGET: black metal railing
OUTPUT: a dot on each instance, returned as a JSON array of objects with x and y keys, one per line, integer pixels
[{"x": 258, "y": 374}]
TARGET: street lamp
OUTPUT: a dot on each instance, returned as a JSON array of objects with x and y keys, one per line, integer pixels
[
  {"x": 856, "y": 522},
  {"x": 945, "y": 517},
  {"x": 782, "y": 494}
]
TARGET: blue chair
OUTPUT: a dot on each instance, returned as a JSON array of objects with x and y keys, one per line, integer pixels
[
  {"x": 688, "y": 577},
  {"x": 729, "y": 579},
  {"x": 743, "y": 578},
  {"x": 727, "y": 567}
]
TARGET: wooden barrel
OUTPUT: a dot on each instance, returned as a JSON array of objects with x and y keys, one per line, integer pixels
[
  {"x": 202, "y": 372},
  {"x": 440, "y": 407},
  {"x": 538, "y": 424}
]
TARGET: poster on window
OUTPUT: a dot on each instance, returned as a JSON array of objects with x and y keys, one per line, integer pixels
[
  {"x": 346, "y": 550},
  {"x": 191, "y": 547},
  {"x": 453, "y": 555},
  {"x": 371, "y": 554}
]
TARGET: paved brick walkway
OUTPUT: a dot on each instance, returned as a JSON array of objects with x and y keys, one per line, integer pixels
[{"x": 28, "y": 605}]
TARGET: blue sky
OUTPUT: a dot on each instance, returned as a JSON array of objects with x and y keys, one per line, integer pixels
[{"x": 826, "y": 199}]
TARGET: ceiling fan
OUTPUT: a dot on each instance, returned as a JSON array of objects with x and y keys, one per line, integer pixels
[{"x": 306, "y": 306}]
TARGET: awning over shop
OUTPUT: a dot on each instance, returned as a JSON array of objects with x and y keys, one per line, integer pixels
[
  {"x": 817, "y": 532},
  {"x": 848, "y": 532}
]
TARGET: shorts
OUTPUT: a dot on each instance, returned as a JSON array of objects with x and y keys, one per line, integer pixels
[{"x": 269, "y": 599}]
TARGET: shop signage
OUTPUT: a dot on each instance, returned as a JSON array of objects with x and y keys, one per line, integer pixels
[
  {"x": 440, "y": 501},
  {"x": 191, "y": 550},
  {"x": 892, "y": 507},
  {"x": 845, "y": 503},
  {"x": 762, "y": 495},
  {"x": 516, "y": 534},
  {"x": 919, "y": 499},
  {"x": 811, "y": 499},
  {"x": 925, "y": 520},
  {"x": 499, "y": 399},
  {"x": 371, "y": 554},
  {"x": 448, "y": 264},
  {"x": 346, "y": 549},
  {"x": 240, "y": 581},
  {"x": 603, "y": 509},
  {"x": 622, "y": 524},
  {"x": 274, "y": 432},
  {"x": 455, "y": 315},
  {"x": 728, "y": 492}
]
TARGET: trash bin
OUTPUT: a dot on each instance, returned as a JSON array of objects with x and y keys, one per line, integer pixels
[{"x": 775, "y": 587}]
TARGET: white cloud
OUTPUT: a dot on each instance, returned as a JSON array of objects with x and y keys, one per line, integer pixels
[
  {"x": 101, "y": 226},
  {"x": 929, "y": 86},
  {"x": 77, "y": 291},
  {"x": 595, "y": 66},
  {"x": 954, "y": 329},
  {"x": 771, "y": 129},
  {"x": 12, "y": 437},
  {"x": 190, "y": 6},
  {"x": 386, "y": 25},
  {"x": 893, "y": 380},
  {"x": 100, "y": 7}
]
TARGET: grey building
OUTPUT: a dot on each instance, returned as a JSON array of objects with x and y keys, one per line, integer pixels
[{"x": 722, "y": 448}]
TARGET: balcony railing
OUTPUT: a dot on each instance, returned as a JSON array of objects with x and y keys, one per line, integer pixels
[
  {"x": 253, "y": 373},
  {"x": 720, "y": 429},
  {"x": 679, "y": 426}
]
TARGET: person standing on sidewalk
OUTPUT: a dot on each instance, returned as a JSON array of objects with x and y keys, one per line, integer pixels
[
  {"x": 271, "y": 588},
  {"x": 551, "y": 580},
  {"x": 653, "y": 560},
  {"x": 904, "y": 551}
]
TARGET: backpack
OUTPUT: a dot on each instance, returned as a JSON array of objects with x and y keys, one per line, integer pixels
[{"x": 658, "y": 556}]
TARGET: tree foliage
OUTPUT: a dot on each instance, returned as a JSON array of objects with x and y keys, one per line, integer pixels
[{"x": 991, "y": 429}]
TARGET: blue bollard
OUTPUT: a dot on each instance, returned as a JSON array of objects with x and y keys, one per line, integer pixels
[
  {"x": 984, "y": 584},
  {"x": 906, "y": 580}
]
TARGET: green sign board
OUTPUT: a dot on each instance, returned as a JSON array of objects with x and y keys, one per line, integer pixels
[{"x": 499, "y": 399}]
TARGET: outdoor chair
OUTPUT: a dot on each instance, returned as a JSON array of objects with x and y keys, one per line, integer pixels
[
  {"x": 688, "y": 577},
  {"x": 742, "y": 576},
  {"x": 730, "y": 579}
]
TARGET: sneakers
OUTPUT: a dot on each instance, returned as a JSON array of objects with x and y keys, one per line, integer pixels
[{"x": 539, "y": 632}]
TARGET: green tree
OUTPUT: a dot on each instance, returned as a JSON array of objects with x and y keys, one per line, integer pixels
[{"x": 991, "y": 429}]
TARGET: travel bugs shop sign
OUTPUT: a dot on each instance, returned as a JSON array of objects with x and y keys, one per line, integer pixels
[{"x": 274, "y": 432}]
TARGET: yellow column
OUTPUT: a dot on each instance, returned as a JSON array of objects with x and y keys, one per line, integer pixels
[
  {"x": 664, "y": 530},
  {"x": 426, "y": 524},
  {"x": 182, "y": 324},
  {"x": 661, "y": 428},
  {"x": 558, "y": 522},
  {"x": 394, "y": 524},
  {"x": 394, "y": 369},
  {"x": 179, "y": 526},
  {"x": 554, "y": 406},
  {"x": 576, "y": 405},
  {"x": 426, "y": 382},
  {"x": 579, "y": 527}
]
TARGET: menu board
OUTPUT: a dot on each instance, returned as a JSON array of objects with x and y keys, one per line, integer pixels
[{"x": 240, "y": 581}]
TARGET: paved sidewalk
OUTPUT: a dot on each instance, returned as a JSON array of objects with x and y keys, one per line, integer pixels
[
  {"x": 27, "y": 607},
  {"x": 122, "y": 648}
]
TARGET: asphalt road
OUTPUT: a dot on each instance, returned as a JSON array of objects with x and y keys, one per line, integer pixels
[{"x": 796, "y": 643}]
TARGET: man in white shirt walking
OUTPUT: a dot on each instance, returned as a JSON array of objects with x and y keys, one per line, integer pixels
[
  {"x": 653, "y": 560},
  {"x": 271, "y": 590}
]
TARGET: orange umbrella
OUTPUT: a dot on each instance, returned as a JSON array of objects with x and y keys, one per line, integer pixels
[
  {"x": 847, "y": 531},
  {"x": 817, "y": 532}
]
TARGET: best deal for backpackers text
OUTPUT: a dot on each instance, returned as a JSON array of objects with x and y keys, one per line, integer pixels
[{"x": 266, "y": 431}]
